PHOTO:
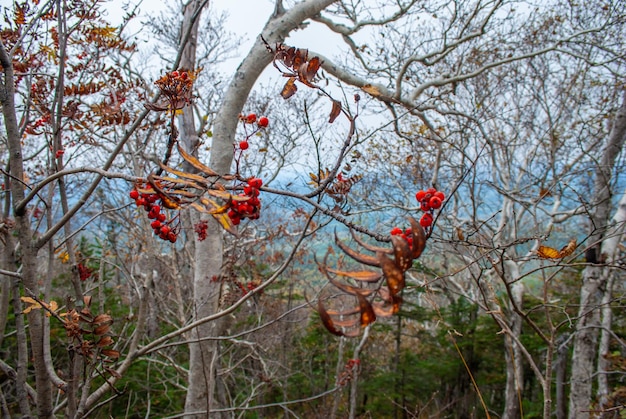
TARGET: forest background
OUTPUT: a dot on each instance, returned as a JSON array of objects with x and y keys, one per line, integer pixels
[{"x": 195, "y": 223}]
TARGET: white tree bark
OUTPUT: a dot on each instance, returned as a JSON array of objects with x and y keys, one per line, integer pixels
[
  {"x": 614, "y": 236},
  {"x": 595, "y": 279},
  {"x": 209, "y": 253}
]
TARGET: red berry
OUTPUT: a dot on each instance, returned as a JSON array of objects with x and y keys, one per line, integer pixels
[
  {"x": 171, "y": 236},
  {"x": 426, "y": 220},
  {"x": 184, "y": 75},
  {"x": 161, "y": 217},
  {"x": 251, "y": 118},
  {"x": 440, "y": 195},
  {"x": 244, "y": 145},
  {"x": 420, "y": 195},
  {"x": 156, "y": 224},
  {"x": 175, "y": 74},
  {"x": 255, "y": 182},
  {"x": 134, "y": 194},
  {"x": 140, "y": 202},
  {"x": 263, "y": 122},
  {"x": 165, "y": 230},
  {"x": 408, "y": 231},
  {"x": 435, "y": 202},
  {"x": 156, "y": 209},
  {"x": 396, "y": 231},
  {"x": 425, "y": 206},
  {"x": 431, "y": 190}
]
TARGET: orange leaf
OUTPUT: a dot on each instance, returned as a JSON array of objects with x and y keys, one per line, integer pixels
[
  {"x": 372, "y": 90},
  {"x": 367, "y": 312},
  {"x": 289, "y": 89},
  {"x": 393, "y": 274},
  {"x": 190, "y": 176},
  {"x": 327, "y": 320},
  {"x": 336, "y": 110},
  {"x": 225, "y": 221},
  {"x": 365, "y": 276},
  {"x": 196, "y": 163},
  {"x": 546, "y": 252}
]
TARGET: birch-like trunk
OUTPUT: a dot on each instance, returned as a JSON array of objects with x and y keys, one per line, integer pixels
[
  {"x": 513, "y": 354},
  {"x": 610, "y": 244},
  {"x": 209, "y": 253},
  {"x": 594, "y": 286}
]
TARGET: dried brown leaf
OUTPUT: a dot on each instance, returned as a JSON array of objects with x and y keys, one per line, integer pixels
[
  {"x": 402, "y": 253},
  {"x": 196, "y": 163},
  {"x": 419, "y": 238},
  {"x": 327, "y": 320},
  {"x": 111, "y": 353},
  {"x": 102, "y": 330},
  {"x": 365, "y": 276},
  {"x": 335, "y": 111},
  {"x": 393, "y": 274},
  {"x": 289, "y": 89},
  {"x": 102, "y": 319},
  {"x": 105, "y": 341},
  {"x": 367, "y": 312},
  {"x": 365, "y": 259}
]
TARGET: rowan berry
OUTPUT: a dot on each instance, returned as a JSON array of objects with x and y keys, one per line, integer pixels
[
  {"x": 435, "y": 202},
  {"x": 396, "y": 231},
  {"x": 251, "y": 118},
  {"x": 425, "y": 206},
  {"x": 263, "y": 122},
  {"x": 420, "y": 195},
  {"x": 244, "y": 145},
  {"x": 156, "y": 224},
  {"x": 255, "y": 182},
  {"x": 426, "y": 220},
  {"x": 440, "y": 195},
  {"x": 134, "y": 194}
]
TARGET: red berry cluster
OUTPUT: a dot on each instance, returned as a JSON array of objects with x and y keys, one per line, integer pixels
[
  {"x": 406, "y": 234},
  {"x": 159, "y": 224},
  {"x": 200, "y": 229},
  {"x": 251, "y": 118},
  {"x": 249, "y": 208},
  {"x": 430, "y": 200},
  {"x": 84, "y": 272},
  {"x": 348, "y": 372},
  {"x": 248, "y": 287}
]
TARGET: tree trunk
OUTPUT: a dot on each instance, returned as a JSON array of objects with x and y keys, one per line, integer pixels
[
  {"x": 209, "y": 253},
  {"x": 595, "y": 279},
  {"x": 513, "y": 355},
  {"x": 610, "y": 244}
]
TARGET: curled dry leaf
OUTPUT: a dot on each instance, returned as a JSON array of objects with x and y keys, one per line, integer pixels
[
  {"x": 546, "y": 252},
  {"x": 373, "y": 294},
  {"x": 335, "y": 111}
]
